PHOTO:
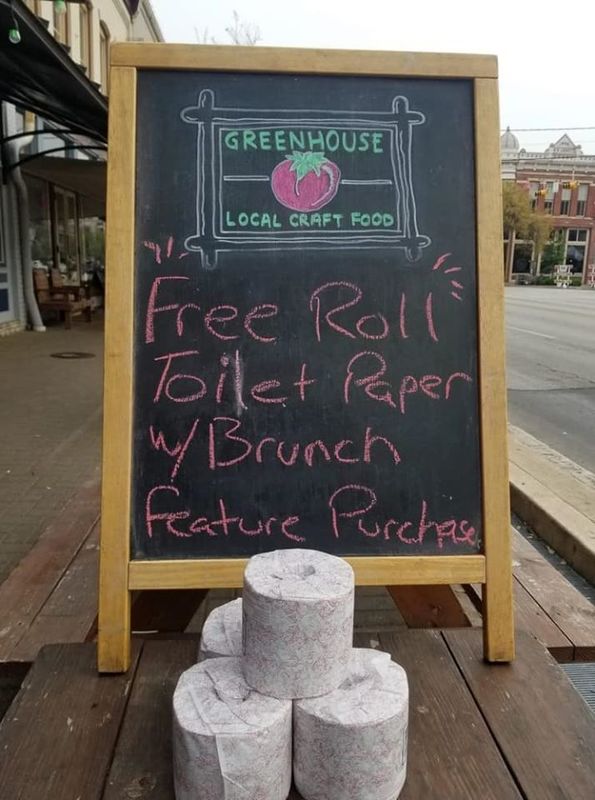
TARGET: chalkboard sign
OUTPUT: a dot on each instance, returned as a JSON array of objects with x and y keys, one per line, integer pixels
[{"x": 304, "y": 338}]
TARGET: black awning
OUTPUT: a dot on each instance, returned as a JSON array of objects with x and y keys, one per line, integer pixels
[{"x": 39, "y": 75}]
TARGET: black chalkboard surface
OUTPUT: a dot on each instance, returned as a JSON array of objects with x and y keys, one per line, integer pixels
[{"x": 306, "y": 342}]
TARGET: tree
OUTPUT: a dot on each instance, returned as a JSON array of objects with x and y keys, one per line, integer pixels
[
  {"x": 521, "y": 222},
  {"x": 516, "y": 210},
  {"x": 540, "y": 229},
  {"x": 553, "y": 252},
  {"x": 244, "y": 33}
]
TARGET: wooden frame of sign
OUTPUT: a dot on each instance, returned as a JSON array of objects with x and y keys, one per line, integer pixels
[{"x": 119, "y": 573}]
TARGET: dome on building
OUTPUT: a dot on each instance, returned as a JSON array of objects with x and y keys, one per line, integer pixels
[{"x": 508, "y": 141}]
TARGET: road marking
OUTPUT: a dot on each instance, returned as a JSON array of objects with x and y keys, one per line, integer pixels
[{"x": 533, "y": 333}]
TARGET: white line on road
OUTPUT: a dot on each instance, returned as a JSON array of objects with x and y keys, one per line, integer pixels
[{"x": 533, "y": 333}]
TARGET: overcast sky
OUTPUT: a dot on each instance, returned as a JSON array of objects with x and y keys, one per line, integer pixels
[{"x": 545, "y": 50}]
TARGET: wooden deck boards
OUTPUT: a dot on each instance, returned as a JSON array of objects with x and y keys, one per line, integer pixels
[{"x": 476, "y": 730}]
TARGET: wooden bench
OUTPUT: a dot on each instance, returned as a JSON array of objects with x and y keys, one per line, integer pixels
[
  {"x": 67, "y": 301},
  {"x": 477, "y": 731}
]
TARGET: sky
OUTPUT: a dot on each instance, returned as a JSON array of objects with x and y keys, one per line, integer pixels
[{"x": 546, "y": 66}]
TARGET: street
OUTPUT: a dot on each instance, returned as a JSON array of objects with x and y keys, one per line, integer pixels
[{"x": 551, "y": 367}]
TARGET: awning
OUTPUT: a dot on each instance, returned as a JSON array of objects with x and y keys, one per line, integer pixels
[
  {"x": 87, "y": 178},
  {"x": 39, "y": 75}
]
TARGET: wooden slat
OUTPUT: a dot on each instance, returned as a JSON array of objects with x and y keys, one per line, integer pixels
[
  {"x": 70, "y": 612},
  {"x": 565, "y": 605},
  {"x": 114, "y": 597},
  {"x": 142, "y": 764},
  {"x": 314, "y": 61},
  {"x": 498, "y": 612},
  {"x": 29, "y": 585},
  {"x": 451, "y": 752},
  {"x": 369, "y": 571},
  {"x": 57, "y": 738},
  {"x": 530, "y": 617},
  {"x": 429, "y": 606},
  {"x": 543, "y": 727}
]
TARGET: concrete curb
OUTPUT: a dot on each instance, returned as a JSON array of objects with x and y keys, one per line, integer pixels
[{"x": 556, "y": 498}]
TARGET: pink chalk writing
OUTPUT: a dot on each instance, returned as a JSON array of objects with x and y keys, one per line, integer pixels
[
  {"x": 430, "y": 316},
  {"x": 228, "y": 435},
  {"x": 183, "y": 523},
  {"x": 153, "y": 309},
  {"x": 178, "y": 451},
  {"x": 350, "y": 506}
]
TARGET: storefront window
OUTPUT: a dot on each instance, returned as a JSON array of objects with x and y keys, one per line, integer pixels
[
  {"x": 576, "y": 249},
  {"x": 523, "y": 254},
  {"x": 66, "y": 238},
  {"x": 92, "y": 239},
  {"x": 40, "y": 223}
]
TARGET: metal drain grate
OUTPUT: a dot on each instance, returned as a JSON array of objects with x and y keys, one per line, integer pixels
[
  {"x": 582, "y": 676},
  {"x": 72, "y": 355}
]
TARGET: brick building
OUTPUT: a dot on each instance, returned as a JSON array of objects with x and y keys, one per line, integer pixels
[{"x": 561, "y": 183}]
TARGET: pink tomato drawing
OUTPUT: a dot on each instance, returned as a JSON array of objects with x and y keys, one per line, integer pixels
[{"x": 305, "y": 181}]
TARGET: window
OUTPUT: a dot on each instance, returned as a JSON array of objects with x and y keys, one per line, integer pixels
[
  {"x": 85, "y": 22},
  {"x": 549, "y": 198},
  {"x": 576, "y": 249},
  {"x": 66, "y": 244},
  {"x": 104, "y": 38},
  {"x": 40, "y": 224},
  {"x": 581, "y": 200},
  {"x": 62, "y": 27},
  {"x": 565, "y": 203},
  {"x": 577, "y": 235},
  {"x": 533, "y": 190}
]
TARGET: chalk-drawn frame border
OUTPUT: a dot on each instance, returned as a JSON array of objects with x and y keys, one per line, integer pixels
[{"x": 211, "y": 120}]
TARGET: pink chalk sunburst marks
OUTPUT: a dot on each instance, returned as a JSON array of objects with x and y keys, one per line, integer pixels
[{"x": 305, "y": 181}]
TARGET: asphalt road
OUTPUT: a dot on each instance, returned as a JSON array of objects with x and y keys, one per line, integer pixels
[{"x": 551, "y": 367}]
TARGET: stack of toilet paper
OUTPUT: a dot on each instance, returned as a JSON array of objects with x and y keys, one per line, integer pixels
[{"x": 277, "y": 668}]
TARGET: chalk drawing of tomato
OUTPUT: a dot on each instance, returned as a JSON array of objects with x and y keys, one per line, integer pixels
[{"x": 305, "y": 181}]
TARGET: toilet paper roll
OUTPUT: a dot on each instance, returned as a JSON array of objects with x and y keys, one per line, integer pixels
[
  {"x": 222, "y": 632},
  {"x": 352, "y": 743},
  {"x": 229, "y": 741},
  {"x": 297, "y": 622}
]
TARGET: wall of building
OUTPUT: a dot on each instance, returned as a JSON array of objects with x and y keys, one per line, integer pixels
[
  {"x": 114, "y": 16},
  {"x": 554, "y": 181}
]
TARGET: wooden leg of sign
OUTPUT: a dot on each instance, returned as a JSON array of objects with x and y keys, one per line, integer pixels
[
  {"x": 429, "y": 606},
  {"x": 114, "y": 595},
  {"x": 498, "y": 611},
  {"x": 498, "y": 623}
]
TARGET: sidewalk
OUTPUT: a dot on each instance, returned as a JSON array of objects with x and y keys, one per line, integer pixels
[{"x": 50, "y": 418}]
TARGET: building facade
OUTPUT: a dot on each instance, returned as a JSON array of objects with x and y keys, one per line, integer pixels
[
  {"x": 59, "y": 196},
  {"x": 560, "y": 182}
]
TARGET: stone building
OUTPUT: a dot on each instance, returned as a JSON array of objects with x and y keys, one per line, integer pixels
[
  {"x": 561, "y": 183},
  {"x": 54, "y": 89}
]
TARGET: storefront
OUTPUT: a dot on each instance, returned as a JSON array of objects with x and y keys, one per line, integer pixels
[{"x": 53, "y": 127}]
